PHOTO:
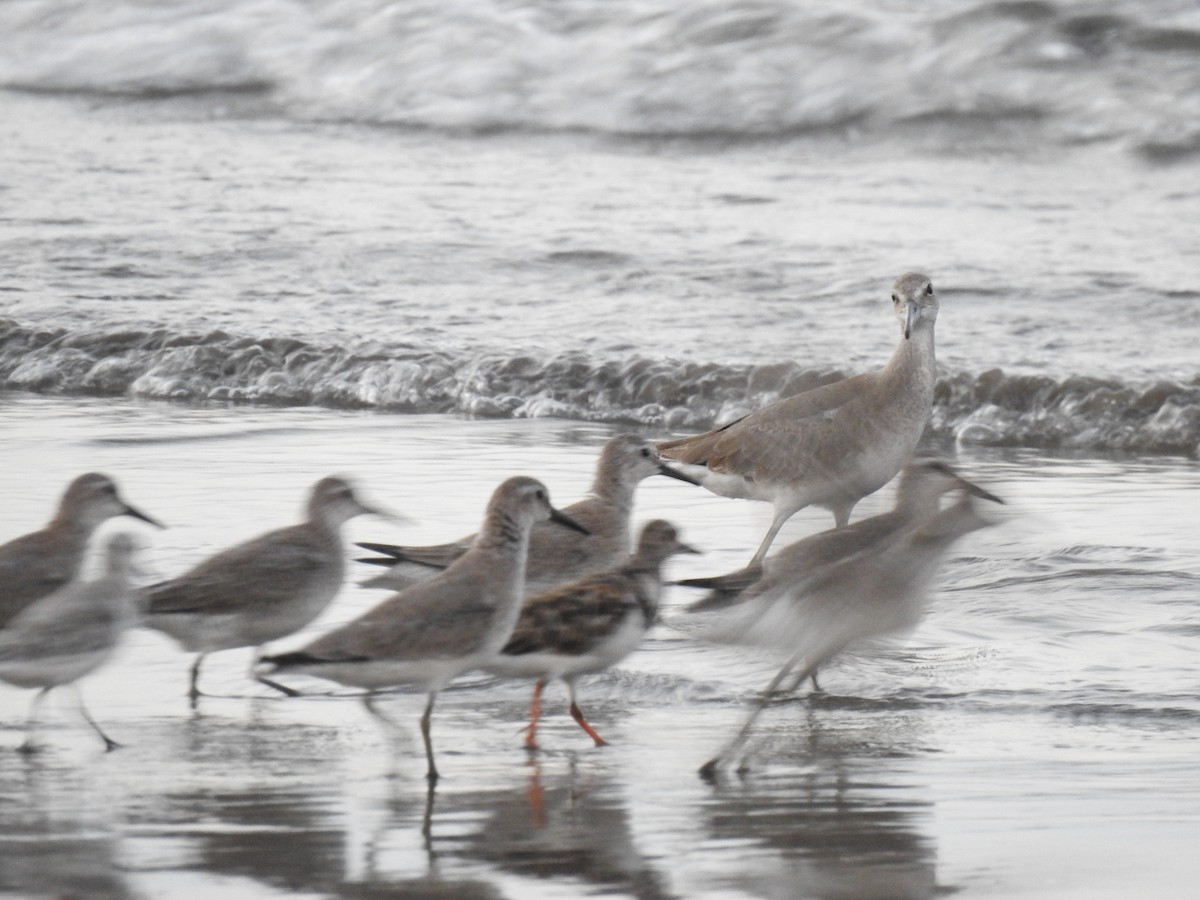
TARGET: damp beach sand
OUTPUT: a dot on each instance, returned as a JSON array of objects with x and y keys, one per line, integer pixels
[{"x": 1035, "y": 737}]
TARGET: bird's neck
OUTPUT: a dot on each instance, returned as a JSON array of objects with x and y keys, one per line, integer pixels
[
  {"x": 914, "y": 354},
  {"x": 611, "y": 488},
  {"x": 503, "y": 535}
]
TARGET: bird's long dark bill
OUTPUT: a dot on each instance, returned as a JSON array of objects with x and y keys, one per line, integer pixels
[
  {"x": 675, "y": 473},
  {"x": 976, "y": 491},
  {"x": 563, "y": 519},
  {"x": 138, "y": 514}
]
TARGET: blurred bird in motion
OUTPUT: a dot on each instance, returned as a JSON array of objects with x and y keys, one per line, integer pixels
[
  {"x": 919, "y": 488},
  {"x": 58, "y": 639},
  {"x": 877, "y": 592}
]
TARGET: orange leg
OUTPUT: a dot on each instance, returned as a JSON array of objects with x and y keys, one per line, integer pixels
[
  {"x": 577, "y": 715},
  {"x": 535, "y": 715}
]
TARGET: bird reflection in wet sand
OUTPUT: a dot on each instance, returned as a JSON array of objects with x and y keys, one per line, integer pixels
[
  {"x": 588, "y": 625},
  {"x": 869, "y": 595},
  {"x": 568, "y": 826},
  {"x": 439, "y": 629},
  {"x": 556, "y": 556},
  {"x": 919, "y": 489},
  {"x": 831, "y": 830},
  {"x": 832, "y": 445},
  {"x": 58, "y": 639}
]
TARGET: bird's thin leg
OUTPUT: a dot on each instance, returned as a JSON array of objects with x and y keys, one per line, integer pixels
[
  {"x": 709, "y": 769},
  {"x": 535, "y": 715},
  {"x": 109, "y": 743},
  {"x": 28, "y": 745},
  {"x": 577, "y": 715},
  {"x": 796, "y": 682},
  {"x": 432, "y": 774},
  {"x": 781, "y": 516},
  {"x": 282, "y": 688},
  {"x": 194, "y": 682}
]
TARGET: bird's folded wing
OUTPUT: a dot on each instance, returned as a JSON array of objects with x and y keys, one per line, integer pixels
[{"x": 240, "y": 576}]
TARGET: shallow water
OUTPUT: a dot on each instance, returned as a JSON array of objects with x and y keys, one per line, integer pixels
[
  {"x": 1035, "y": 737},
  {"x": 430, "y": 245}
]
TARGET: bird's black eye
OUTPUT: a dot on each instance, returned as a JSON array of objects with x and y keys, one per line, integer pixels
[
  {"x": 541, "y": 495},
  {"x": 929, "y": 288},
  {"x": 895, "y": 298},
  {"x": 646, "y": 452}
]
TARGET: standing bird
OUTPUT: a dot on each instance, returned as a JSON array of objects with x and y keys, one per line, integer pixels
[
  {"x": 872, "y": 594},
  {"x": 556, "y": 556},
  {"x": 589, "y": 624},
  {"x": 65, "y": 635},
  {"x": 833, "y": 445},
  {"x": 42, "y": 562},
  {"x": 263, "y": 589},
  {"x": 436, "y": 630}
]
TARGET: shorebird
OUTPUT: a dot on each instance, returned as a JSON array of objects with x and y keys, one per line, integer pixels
[
  {"x": 435, "y": 630},
  {"x": 63, "y": 636},
  {"x": 556, "y": 556},
  {"x": 920, "y": 487},
  {"x": 833, "y": 445},
  {"x": 868, "y": 595},
  {"x": 263, "y": 589},
  {"x": 588, "y": 625},
  {"x": 44, "y": 561}
]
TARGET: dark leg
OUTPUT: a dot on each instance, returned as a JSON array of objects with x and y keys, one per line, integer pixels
[
  {"x": 577, "y": 715},
  {"x": 432, "y": 774},
  {"x": 28, "y": 746},
  {"x": 194, "y": 686},
  {"x": 283, "y": 689},
  {"x": 109, "y": 743}
]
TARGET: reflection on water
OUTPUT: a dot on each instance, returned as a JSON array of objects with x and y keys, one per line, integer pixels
[{"x": 271, "y": 805}]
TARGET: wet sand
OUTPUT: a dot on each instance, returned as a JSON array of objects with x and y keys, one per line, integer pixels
[{"x": 1035, "y": 738}]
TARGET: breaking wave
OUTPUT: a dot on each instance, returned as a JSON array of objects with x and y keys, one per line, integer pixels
[
  {"x": 992, "y": 408},
  {"x": 1064, "y": 72}
]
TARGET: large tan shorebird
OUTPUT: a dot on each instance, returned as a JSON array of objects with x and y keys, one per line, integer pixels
[
  {"x": 879, "y": 592},
  {"x": 39, "y": 563},
  {"x": 833, "y": 445},
  {"x": 588, "y": 625},
  {"x": 556, "y": 555},
  {"x": 435, "y": 630},
  {"x": 58, "y": 639},
  {"x": 263, "y": 589}
]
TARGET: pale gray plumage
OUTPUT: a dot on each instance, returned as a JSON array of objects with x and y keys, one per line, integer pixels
[
  {"x": 878, "y": 592},
  {"x": 556, "y": 555},
  {"x": 39, "y": 563},
  {"x": 263, "y": 589},
  {"x": 435, "y": 630},
  {"x": 833, "y": 445},
  {"x": 590, "y": 624},
  {"x": 919, "y": 487},
  {"x": 60, "y": 638}
]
